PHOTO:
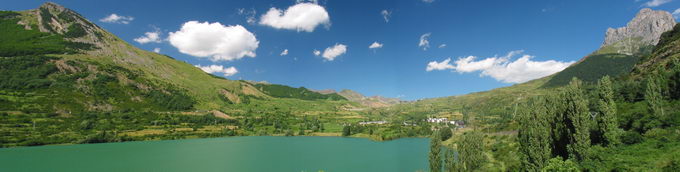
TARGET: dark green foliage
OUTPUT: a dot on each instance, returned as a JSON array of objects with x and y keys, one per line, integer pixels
[
  {"x": 303, "y": 93},
  {"x": 435, "y": 156},
  {"x": 631, "y": 137},
  {"x": 594, "y": 67},
  {"x": 346, "y": 130},
  {"x": 172, "y": 100},
  {"x": 471, "y": 150},
  {"x": 607, "y": 122},
  {"x": 75, "y": 31},
  {"x": 445, "y": 133},
  {"x": 25, "y": 72},
  {"x": 578, "y": 120},
  {"x": 534, "y": 136},
  {"x": 17, "y": 41}
]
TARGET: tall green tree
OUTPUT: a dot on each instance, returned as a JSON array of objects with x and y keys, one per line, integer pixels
[
  {"x": 654, "y": 98},
  {"x": 471, "y": 150},
  {"x": 578, "y": 118},
  {"x": 606, "y": 107},
  {"x": 450, "y": 162},
  {"x": 535, "y": 142},
  {"x": 435, "y": 153}
]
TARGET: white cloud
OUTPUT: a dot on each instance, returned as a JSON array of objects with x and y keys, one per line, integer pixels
[
  {"x": 317, "y": 52},
  {"x": 148, "y": 37},
  {"x": 284, "y": 52},
  {"x": 214, "y": 40},
  {"x": 442, "y": 46},
  {"x": 115, "y": 18},
  {"x": 386, "y": 15},
  {"x": 303, "y": 16},
  {"x": 444, "y": 65},
  {"x": 157, "y": 50},
  {"x": 656, "y": 3},
  {"x": 428, "y": 1},
  {"x": 676, "y": 13},
  {"x": 218, "y": 69},
  {"x": 375, "y": 45},
  {"x": 424, "y": 42},
  {"x": 332, "y": 52},
  {"x": 503, "y": 68}
]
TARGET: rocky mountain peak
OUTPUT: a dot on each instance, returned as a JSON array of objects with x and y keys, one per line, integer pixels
[{"x": 645, "y": 28}]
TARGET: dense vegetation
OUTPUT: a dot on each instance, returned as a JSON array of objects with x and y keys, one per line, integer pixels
[
  {"x": 282, "y": 91},
  {"x": 595, "y": 67}
]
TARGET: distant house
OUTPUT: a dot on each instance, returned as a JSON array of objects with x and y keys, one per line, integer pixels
[
  {"x": 437, "y": 120},
  {"x": 458, "y": 123},
  {"x": 372, "y": 122}
]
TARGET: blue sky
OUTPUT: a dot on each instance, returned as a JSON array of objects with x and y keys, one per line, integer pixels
[{"x": 551, "y": 33}]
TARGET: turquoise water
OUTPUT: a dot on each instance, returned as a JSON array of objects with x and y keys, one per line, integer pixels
[{"x": 252, "y": 153}]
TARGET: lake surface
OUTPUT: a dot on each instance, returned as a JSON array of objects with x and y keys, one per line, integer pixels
[{"x": 251, "y": 153}]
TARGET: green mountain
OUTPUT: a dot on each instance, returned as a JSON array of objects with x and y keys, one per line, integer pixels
[
  {"x": 56, "y": 60},
  {"x": 67, "y": 80}
]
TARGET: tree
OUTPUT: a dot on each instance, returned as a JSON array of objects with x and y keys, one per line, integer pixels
[
  {"x": 435, "y": 153},
  {"x": 558, "y": 165},
  {"x": 445, "y": 133},
  {"x": 607, "y": 122},
  {"x": 450, "y": 162},
  {"x": 471, "y": 153},
  {"x": 535, "y": 142},
  {"x": 578, "y": 118},
  {"x": 346, "y": 130},
  {"x": 654, "y": 100}
]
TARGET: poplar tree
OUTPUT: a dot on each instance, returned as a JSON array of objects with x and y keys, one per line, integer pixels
[
  {"x": 435, "y": 153},
  {"x": 654, "y": 99},
  {"x": 607, "y": 122},
  {"x": 577, "y": 113},
  {"x": 534, "y": 135},
  {"x": 471, "y": 150}
]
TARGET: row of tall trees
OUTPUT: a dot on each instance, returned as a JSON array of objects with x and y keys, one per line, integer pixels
[
  {"x": 564, "y": 125},
  {"x": 468, "y": 155}
]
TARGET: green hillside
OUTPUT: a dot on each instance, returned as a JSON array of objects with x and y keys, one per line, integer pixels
[
  {"x": 594, "y": 67},
  {"x": 70, "y": 81}
]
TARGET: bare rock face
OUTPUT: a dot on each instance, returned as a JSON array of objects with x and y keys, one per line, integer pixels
[{"x": 647, "y": 27}]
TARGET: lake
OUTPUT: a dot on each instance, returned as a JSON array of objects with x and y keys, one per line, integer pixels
[{"x": 251, "y": 153}]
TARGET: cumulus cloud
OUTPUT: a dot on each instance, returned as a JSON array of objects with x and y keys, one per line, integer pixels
[
  {"x": 656, "y": 3},
  {"x": 284, "y": 52},
  {"x": 503, "y": 68},
  {"x": 157, "y": 50},
  {"x": 442, "y": 46},
  {"x": 214, "y": 40},
  {"x": 676, "y": 13},
  {"x": 316, "y": 52},
  {"x": 331, "y": 53},
  {"x": 386, "y": 15},
  {"x": 115, "y": 18},
  {"x": 444, "y": 65},
  {"x": 303, "y": 16},
  {"x": 424, "y": 42},
  {"x": 218, "y": 69},
  {"x": 375, "y": 45},
  {"x": 148, "y": 37}
]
